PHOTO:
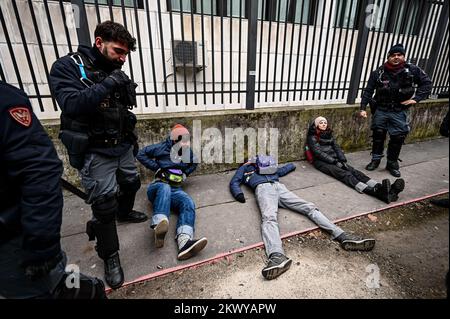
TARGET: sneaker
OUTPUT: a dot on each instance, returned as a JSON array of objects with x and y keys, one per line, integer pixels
[
  {"x": 277, "y": 264},
  {"x": 191, "y": 248},
  {"x": 353, "y": 243},
  {"x": 396, "y": 188},
  {"x": 160, "y": 232}
]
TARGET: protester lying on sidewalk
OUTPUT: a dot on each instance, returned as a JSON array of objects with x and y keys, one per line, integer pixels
[
  {"x": 327, "y": 156},
  {"x": 172, "y": 161},
  {"x": 262, "y": 175}
]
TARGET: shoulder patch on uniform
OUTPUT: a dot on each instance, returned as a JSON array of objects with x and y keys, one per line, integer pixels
[{"x": 21, "y": 114}]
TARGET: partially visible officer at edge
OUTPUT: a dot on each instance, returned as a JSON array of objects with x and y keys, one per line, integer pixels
[
  {"x": 398, "y": 85},
  {"x": 32, "y": 264},
  {"x": 97, "y": 128}
]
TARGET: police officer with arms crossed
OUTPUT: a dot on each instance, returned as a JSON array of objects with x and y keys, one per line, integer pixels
[
  {"x": 398, "y": 86},
  {"x": 32, "y": 264},
  {"x": 97, "y": 129}
]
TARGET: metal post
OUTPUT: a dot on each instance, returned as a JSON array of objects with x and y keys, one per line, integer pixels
[
  {"x": 82, "y": 26},
  {"x": 251, "y": 54},
  {"x": 437, "y": 41},
  {"x": 361, "y": 45}
]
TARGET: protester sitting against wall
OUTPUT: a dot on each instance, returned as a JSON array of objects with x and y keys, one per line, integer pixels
[
  {"x": 262, "y": 175},
  {"x": 327, "y": 156}
]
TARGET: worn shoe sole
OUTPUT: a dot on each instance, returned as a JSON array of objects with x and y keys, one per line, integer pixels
[
  {"x": 160, "y": 233},
  {"x": 397, "y": 187},
  {"x": 359, "y": 245},
  {"x": 193, "y": 250},
  {"x": 275, "y": 271}
]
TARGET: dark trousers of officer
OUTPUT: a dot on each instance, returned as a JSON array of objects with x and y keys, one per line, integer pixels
[
  {"x": 396, "y": 123},
  {"x": 350, "y": 176},
  {"x": 13, "y": 282},
  {"x": 111, "y": 184}
]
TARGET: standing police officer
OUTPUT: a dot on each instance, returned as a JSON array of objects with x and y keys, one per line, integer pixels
[
  {"x": 398, "y": 85},
  {"x": 32, "y": 264},
  {"x": 97, "y": 128}
]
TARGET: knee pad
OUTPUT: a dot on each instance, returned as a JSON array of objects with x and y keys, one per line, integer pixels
[
  {"x": 86, "y": 288},
  {"x": 397, "y": 139},
  {"x": 130, "y": 187},
  {"x": 105, "y": 208},
  {"x": 379, "y": 135}
]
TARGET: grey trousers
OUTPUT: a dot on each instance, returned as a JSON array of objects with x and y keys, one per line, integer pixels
[
  {"x": 101, "y": 175},
  {"x": 270, "y": 196}
]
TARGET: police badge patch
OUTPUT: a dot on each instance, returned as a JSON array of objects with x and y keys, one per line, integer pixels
[{"x": 21, "y": 114}]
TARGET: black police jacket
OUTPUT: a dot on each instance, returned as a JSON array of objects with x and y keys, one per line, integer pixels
[
  {"x": 93, "y": 106},
  {"x": 323, "y": 146},
  {"x": 395, "y": 88},
  {"x": 30, "y": 171}
]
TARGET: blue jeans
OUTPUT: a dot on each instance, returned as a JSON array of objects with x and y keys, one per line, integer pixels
[{"x": 164, "y": 198}]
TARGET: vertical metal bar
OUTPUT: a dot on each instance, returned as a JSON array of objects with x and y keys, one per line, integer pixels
[
  {"x": 251, "y": 54},
  {"x": 331, "y": 51},
  {"x": 231, "y": 51},
  {"x": 404, "y": 26},
  {"x": 304, "y": 55},
  {"x": 194, "y": 74},
  {"x": 97, "y": 11},
  {"x": 441, "y": 66},
  {"x": 383, "y": 50},
  {"x": 163, "y": 56},
  {"x": 361, "y": 45},
  {"x": 337, "y": 54},
  {"x": 411, "y": 31},
  {"x": 152, "y": 58},
  {"x": 326, "y": 47},
  {"x": 314, "y": 29},
  {"x": 2, "y": 74},
  {"x": 424, "y": 8},
  {"x": 276, "y": 53},
  {"x": 298, "y": 48},
  {"x": 240, "y": 52},
  {"x": 111, "y": 13},
  {"x": 184, "y": 62},
  {"x": 203, "y": 51},
  {"x": 293, "y": 5},
  {"x": 173, "y": 61},
  {"x": 124, "y": 17},
  {"x": 260, "y": 49},
  {"x": 212, "y": 53},
  {"x": 84, "y": 37},
  {"x": 345, "y": 49},
  {"x": 268, "y": 50},
  {"x": 318, "y": 52},
  {"x": 50, "y": 26},
  {"x": 11, "y": 51},
  {"x": 221, "y": 50},
  {"x": 41, "y": 49},
  {"x": 66, "y": 30},
  {"x": 438, "y": 37},
  {"x": 27, "y": 54},
  {"x": 427, "y": 33},
  {"x": 349, "y": 58},
  {"x": 141, "y": 59},
  {"x": 397, "y": 24},
  {"x": 284, "y": 48}
]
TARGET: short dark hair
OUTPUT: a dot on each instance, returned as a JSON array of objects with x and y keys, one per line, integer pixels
[{"x": 115, "y": 32}]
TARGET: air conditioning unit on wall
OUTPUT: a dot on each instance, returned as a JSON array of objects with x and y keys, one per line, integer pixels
[{"x": 188, "y": 54}]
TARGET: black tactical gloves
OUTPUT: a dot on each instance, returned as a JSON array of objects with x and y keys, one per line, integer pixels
[
  {"x": 240, "y": 198},
  {"x": 118, "y": 78}
]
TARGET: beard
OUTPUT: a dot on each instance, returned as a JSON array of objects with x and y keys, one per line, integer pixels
[{"x": 116, "y": 64}]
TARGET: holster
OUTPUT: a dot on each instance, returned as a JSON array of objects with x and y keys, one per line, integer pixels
[{"x": 76, "y": 144}]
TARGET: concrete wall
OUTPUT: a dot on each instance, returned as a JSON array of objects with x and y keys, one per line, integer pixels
[{"x": 352, "y": 132}]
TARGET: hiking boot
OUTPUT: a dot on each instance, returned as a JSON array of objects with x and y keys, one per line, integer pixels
[
  {"x": 373, "y": 165},
  {"x": 132, "y": 217},
  {"x": 353, "y": 243},
  {"x": 393, "y": 168},
  {"x": 191, "y": 248},
  {"x": 160, "y": 232},
  {"x": 397, "y": 187},
  {"x": 277, "y": 264},
  {"x": 381, "y": 191},
  {"x": 113, "y": 271}
]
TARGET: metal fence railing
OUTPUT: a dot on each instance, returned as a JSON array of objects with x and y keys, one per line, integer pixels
[{"x": 225, "y": 54}]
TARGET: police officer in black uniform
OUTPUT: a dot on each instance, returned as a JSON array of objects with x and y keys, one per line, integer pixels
[
  {"x": 32, "y": 264},
  {"x": 398, "y": 86},
  {"x": 97, "y": 128}
]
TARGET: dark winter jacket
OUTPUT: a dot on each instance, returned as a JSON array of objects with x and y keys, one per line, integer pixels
[
  {"x": 323, "y": 146},
  {"x": 247, "y": 175},
  {"x": 157, "y": 156}
]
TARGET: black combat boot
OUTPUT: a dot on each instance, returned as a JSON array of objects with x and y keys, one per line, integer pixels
[
  {"x": 373, "y": 165},
  {"x": 125, "y": 211},
  {"x": 396, "y": 188},
  {"x": 393, "y": 168},
  {"x": 113, "y": 271},
  {"x": 381, "y": 191}
]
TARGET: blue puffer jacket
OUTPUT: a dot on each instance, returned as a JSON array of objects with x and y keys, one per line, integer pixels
[
  {"x": 157, "y": 156},
  {"x": 247, "y": 175}
]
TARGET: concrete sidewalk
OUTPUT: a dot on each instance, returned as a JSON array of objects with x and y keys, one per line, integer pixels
[{"x": 230, "y": 225}]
